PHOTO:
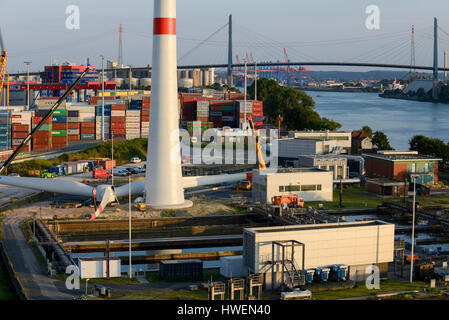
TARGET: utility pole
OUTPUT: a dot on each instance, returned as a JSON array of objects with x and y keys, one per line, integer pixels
[
  {"x": 102, "y": 98},
  {"x": 412, "y": 59},
  {"x": 28, "y": 84},
  {"x": 244, "y": 112},
  {"x": 255, "y": 82},
  {"x": 230, "y": 53},
  {"x": 435, "y": 61},
  {"x": 413, "y": 176},
  {"x": 341, "y": 193},
  {"x": 112, "y": 171},
  {"x": 130, "y": 263}
]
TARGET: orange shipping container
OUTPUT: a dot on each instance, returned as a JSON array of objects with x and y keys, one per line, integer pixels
[
  {"x": 19, "y": 135},
  {"x": 87, "y": 130},
  {"x": 73, "y": 125},
  {"x": 59, "y": 126},
  {"x": 36, "y": 120},
  {"x": 73, "y": 138},
  {"x": 87, "y": 125},
  {"x": 118, "y": 119},
  {"x": 118, "y": 107},
  {"x": 20, "y": 128}
]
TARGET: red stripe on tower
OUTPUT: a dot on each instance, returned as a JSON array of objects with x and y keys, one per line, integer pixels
[{"x": 164, "y": 26}]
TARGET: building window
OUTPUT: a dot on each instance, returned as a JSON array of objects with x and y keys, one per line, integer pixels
[
  {"x": 310, "y": 187},
  {"x": 318, "y": 187},
  {"x": 281, "y": 188}
]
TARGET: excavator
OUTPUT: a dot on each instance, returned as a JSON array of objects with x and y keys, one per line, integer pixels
[{"x": 246, "y": 185}]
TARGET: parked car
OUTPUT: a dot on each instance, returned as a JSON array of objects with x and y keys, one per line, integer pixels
[
  {"x": 135, "y": 160},
  {"x": 137, "y": 170},
  {"x": 121, "y": 172}
]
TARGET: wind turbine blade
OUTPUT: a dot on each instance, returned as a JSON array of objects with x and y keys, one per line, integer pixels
[
  {"x": 49, "y": 185},
  {"x": 107, "y": 196},
  {"x": 2, "y": 46}
]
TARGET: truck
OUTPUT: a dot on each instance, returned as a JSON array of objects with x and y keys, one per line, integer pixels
[
  {"x": 100, "y": 174},
  {"x": 291, "y": 200},
  {"x": 245, "y": 185}
]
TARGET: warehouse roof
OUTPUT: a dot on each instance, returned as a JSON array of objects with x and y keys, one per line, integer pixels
[
  {"x": 401, "y": 157},
  {"x": 317, "y": 226}
]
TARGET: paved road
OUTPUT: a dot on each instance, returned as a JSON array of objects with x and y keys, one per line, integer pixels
[{"x": 30, "y": 271}]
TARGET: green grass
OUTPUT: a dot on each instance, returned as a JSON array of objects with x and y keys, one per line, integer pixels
[
  {"x": 360, "y": 290},
  {"x": 160, "y": 295},
  {"x": 353, "y": 198}
]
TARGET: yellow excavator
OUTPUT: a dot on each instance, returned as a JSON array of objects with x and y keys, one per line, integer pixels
[{"x": 246, "y": 185}]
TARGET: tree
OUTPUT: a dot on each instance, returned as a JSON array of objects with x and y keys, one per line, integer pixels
[
  {"x": 380, "y": 140},
  {"x": 367, "y": 130},
  {"x": 294, "y": 106},
  {"x": 430, "y": 146}
]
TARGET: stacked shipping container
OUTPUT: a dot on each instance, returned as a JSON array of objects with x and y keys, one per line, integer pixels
[
  {"x": 145, "y": 118},
  {"x": 5, "y": 130},
  {"x": 42, "y": 138},
  {"x": 21, "y": 127},
  {"x": 59, "y": 129},
  {"x": 73, "y": 125},
  {"x": 118, "y": 121}
]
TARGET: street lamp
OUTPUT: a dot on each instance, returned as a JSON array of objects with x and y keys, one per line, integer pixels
[
  {"x": 413, "y": 177},
  {"x": 28, "y": 84},
  {"x": 129, "y": 190},
  {"x": 102, "y": 98}
]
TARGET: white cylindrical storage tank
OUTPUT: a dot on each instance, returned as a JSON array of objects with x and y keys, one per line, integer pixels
[
  {"x": 185, "y": 83},
  {"x": 119, "y": 81},
  {"x": 145, "y": 82},
  {"x": 134, "y": 81},
  {"x": 163, "y": 183}
]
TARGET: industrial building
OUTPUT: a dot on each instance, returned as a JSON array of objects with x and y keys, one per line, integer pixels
[
  {"x": 311, "y": 184},
  {"x": 342, "y": 138},
  {"x": 357, "y": 245},
  {"x": 338, "y": 165},
  {"x": 289, "y": 149},
  {"x": 388, "y": 172}
]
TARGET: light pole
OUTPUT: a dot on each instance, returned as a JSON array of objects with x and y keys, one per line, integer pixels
[
  {"x": 413, "y": 176},
  {"x": 28, "y": 84},
  {"x": 255, "y": 84},
  {"x": 112, "y": 171},
  {"x": 87, "y": 280},
  {"x": 102, "y": 98},
  {"x": 130, "y": 263}
]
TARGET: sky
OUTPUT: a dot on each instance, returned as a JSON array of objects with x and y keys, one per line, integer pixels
[{"x": 319, "y": 30}]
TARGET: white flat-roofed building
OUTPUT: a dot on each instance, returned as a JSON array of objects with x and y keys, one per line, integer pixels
[
  {"x": 343, "y": 138},
  {"x": 338, "y": 165},
  {"x": 356, "y": 244},
  {"x": 311, "y": 184},
  {"x": 291, "y": 148}
]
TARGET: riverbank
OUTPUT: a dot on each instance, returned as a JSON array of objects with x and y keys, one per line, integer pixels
[
  {"x": 417, "y": 99},
  {"x": 340, "y": 89}
]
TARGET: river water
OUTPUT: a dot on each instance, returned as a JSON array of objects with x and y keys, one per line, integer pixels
[{"x": 399, "y": 119}]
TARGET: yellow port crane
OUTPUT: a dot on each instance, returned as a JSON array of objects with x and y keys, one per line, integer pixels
[{"x": 3, "y": 73}]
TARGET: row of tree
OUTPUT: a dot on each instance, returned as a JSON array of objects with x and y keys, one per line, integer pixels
[
  {"x": 294, "y": 106},
  {"x": 431, "y": 147}
]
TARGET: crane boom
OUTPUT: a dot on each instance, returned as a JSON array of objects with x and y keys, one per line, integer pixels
[{"x": 262, "y": 164}]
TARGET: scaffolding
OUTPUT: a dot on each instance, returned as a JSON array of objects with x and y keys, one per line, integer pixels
[
  {"x": 217, "y": 289},
  {"x": 255, "y": 281},
  {"x": 291, "y": 276}
]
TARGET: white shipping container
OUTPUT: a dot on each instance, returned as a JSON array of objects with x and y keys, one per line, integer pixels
[
  {"x": 233, "y": 267},
  {"x": 91, "y": 268},
  {"x": 73, "y": 132},
  {"x": 118, "y": 113},
  {"x": 133, "y": 113}
]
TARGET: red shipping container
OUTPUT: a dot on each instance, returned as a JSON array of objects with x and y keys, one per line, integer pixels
[
  {"x": 118, "y": 119},
  {"x": 87, "y": 125},
  {"x": 118, "y": 131},
  {"x": 24, "y": 149},
  {"x": 203, "y": 119},
  {"x": 21, "y": 128},
  {"x": 145, "y": 118},
  {"x": 19, "y": 135},
  {"x": 36, "y": 120},
  {"x": 73, "y": 125},
  {"x": 87, "y": 130},
  {"x": 42, "y": 134},
  {"x": 73, "y": 138},
  {"x": 59, "y": 126},
  {"x": 117, "y": 126},
  {"x": 145, "y": 112},
  {"x": 118, "y": 107}
]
